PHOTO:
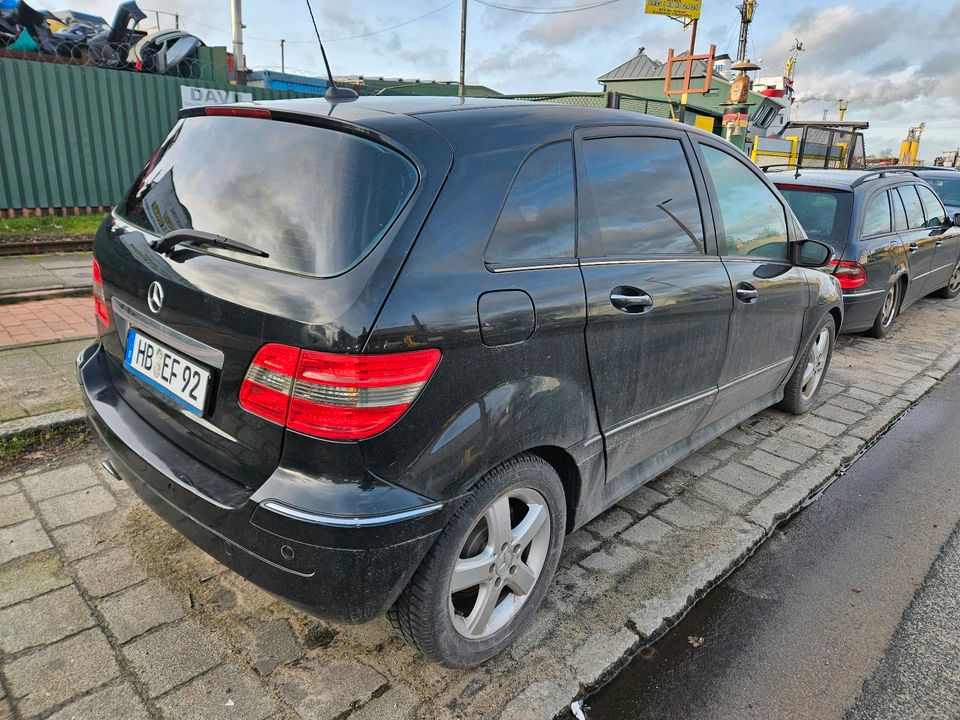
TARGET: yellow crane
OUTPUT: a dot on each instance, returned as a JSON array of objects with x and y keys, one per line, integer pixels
[{"x": 910, "y": 148}]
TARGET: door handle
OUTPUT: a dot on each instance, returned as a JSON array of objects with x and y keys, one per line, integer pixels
[
  {"x": 939, "y": 242},
  {"x": 913, "y": 247},
  {"x": 747, "y": 293},
  {"x": 630, "y": 299}
]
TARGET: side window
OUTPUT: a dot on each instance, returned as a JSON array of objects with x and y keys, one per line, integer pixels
[
  {"x": 643, "y": 195},
  {"x": 932, "y": 207},
  {"x": 876, "y": 220},
  {"x": 911, "y": 203},
  {"x": 899, "y": 214},
  {"x": 537, "y": 220},
  {"x": 753, "y": 218}
]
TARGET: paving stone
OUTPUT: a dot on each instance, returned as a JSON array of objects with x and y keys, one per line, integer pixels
[
  {"x": 117, "y": 702},
  {"x": 822, "y": 425},
  {"x": 44, "y": 679},
  {"x": 778, "y": 504},
  {"x": 578, "y": 544},
  {"x": 76, "y": 506},
  {"x": 543, "y": 699},
  {"x": 721, "y": 450},
  {"x": 59, "y": 482},
  {"x": 737, "y": 436},
  {"x": 721, "y": 495},
  {"x": 805, "y": 436},
  {"x": 219, "y": 694},
  {"x": 614, "y": 558},
  {"x": 109, "y": 571},
  {"x": 688, "y": 514},
  {"x": 744, "y": 478},
  {"x": 132, "y": 612},
  {"x": 14, "y": 509},
  {"x": 849, "y": 403},
  {"x": 9, "y": 487},
  {"x": 43, "y": 620},
  {"x": 917, "y": 387},
  {"x": 838, "y": 414},
  {"x": 769, "y": 464},
  {"x": 86, "y": 538},
  {"x": 786, "y": 448},
  {"x": 600, "y": 652},
  {"x": 397, "y": 703},
  {"x": 649, "y": 530},
  {"x": 171, "y": 655},
  {"x": 320, "y": 690},
  {"x": 610, "y": 522},
  {"x": 698, "y": 464},
  {"x": 30, "y": 576},
  {"x": 671, "y": 483},
  {"x": 864, "y": 395},
  {"x": 643, "y": 500},
  {"x": 274, "y": 644},
  {"x": 22, "y": 539}
]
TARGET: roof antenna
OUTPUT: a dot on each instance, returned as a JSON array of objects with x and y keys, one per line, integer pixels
[{"x": 334, "y": 92}]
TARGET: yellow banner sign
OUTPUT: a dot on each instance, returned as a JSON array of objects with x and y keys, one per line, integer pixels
[{"x": 689, "y": 9}]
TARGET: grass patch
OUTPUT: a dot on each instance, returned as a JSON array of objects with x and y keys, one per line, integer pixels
[
  {"x": 50, "y": 225},
  {"x": 43, "y": 445}
]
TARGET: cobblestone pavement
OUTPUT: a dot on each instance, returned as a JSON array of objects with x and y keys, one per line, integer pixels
[
  {"x": 39, "y": 379},
  {"x": 44, "y": 272},
  {"x": 107, "y": 612}
]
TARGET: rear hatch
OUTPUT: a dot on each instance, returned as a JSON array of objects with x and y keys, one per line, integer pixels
[
  {"x": 824, "y": 212},
  {"x": 330, "y": 207}
]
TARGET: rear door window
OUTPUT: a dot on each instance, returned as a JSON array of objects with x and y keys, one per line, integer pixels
[
  {"x": 316, "y": 200},
  {"x": 754, "y": 221},
  {"x": 537, "y": 220},
  {"x": 643, "y": 198},
  {"x": 932, "y": 207},
  {"x": 911, "y": 203},
  {"x": 899, "y": 214},
  {"x": 876, "y": 220}
]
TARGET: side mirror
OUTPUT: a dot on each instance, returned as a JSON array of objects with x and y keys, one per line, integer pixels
[
  {"x": 956, "y": 219},
  {"x": 813, "y": 254}
]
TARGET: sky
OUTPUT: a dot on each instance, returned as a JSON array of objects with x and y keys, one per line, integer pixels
[{"x": 896, "y": 63}]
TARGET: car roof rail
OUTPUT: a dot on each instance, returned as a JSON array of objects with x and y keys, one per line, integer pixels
[
  {"x": 877, "y": 174},
  {"x": 919, "y": 167},
  {"x": 788, "y": 166}
]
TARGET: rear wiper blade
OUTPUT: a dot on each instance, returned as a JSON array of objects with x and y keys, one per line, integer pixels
[{"x": 173, "y": 238}]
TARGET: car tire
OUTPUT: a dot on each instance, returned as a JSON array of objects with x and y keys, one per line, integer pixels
[
  {"x": 801, "y": 390},
  {"x": 952, "y": 288},
  {"x": 888, "y": 312},
  {"x": 449, "y": 627}
]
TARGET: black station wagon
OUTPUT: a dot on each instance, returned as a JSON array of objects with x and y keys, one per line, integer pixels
[
  {"x": 382, "y": 355},
  {"x": 894, "y": 241}
]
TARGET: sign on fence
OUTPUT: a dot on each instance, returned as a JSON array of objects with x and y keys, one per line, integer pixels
[
  {"x": 689, "y": 9},
  {"x": 198, "y": 97}
]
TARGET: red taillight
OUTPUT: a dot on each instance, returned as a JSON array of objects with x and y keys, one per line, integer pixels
[
  {"x": 850, "y": 274},
  {"x": 262, "y": 113},
  {"x": 328, "y": 395},
  {"x": 99, "y": 299}
]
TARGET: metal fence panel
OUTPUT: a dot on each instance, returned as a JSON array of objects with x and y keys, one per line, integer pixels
[{"x": 75, "y": 137}]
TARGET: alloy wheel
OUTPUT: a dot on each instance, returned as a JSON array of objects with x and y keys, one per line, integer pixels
[
  {"x": 889, "y": 310},
  {"x": 955, "y": 279},
  {"x": 816, "y": 364},
  {"x": 500, "y": 563}
]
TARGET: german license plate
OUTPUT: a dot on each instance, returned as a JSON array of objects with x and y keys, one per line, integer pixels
[{"x": 167, "y": 371}]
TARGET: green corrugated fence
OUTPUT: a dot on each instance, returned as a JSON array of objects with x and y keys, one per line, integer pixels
[{"x": 75, "y": 137}]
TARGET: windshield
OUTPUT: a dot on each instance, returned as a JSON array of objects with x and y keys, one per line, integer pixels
[
  {"x": 824, "y": 214},
  {"x": 947, "y": 188},
  {"x": 315, "y": 200}
]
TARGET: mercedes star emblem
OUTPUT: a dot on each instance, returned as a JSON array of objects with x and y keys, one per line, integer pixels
[{"x": 155, "y": 297}]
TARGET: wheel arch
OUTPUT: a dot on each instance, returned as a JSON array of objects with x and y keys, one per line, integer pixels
[{"x": 566, "y": 467}]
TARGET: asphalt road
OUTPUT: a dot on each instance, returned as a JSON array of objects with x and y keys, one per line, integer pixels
[{"x": 851, "y": 590}]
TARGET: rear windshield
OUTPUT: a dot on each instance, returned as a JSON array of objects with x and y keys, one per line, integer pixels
[
  {"x": 947, "y": 188},
  {"x": 316, "y": 200},
  {"x": 824, "y": 215}
]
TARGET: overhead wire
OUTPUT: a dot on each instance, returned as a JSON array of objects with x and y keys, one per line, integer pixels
[{"x": 533, "y": 10}]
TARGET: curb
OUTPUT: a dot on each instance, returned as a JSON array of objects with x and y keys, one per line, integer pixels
[
  {"x": 36, "y": 423},
  {"x": 43, "y": 343},
  {"x": 48, "y": 294}
]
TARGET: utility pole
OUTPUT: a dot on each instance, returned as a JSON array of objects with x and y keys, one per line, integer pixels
[
  {"x": 240, "y": 64},
  {"x": 746, "y": 9},
  {"x": 463, "y": 47},
  {"x": 283, "y": 67},
  {"x": 843, "y": 108}
]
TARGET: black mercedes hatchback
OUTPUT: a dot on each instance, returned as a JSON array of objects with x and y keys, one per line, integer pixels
[{"x": 382, "y": 355}]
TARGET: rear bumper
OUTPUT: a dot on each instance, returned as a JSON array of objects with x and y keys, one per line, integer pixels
[
  {"x": 343, "y": 568},
  {"x": 860, "y": 309}
]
